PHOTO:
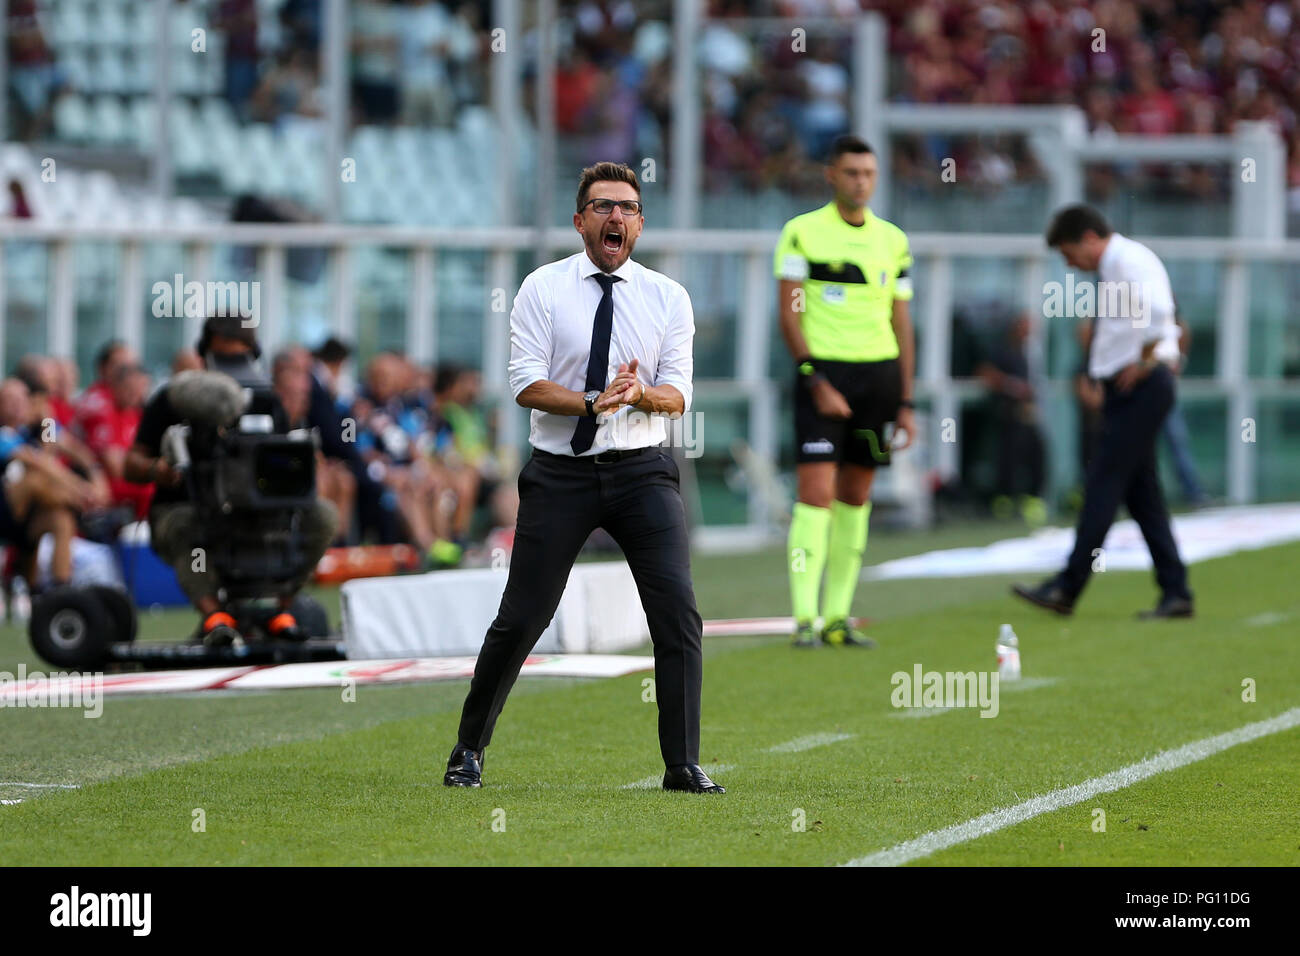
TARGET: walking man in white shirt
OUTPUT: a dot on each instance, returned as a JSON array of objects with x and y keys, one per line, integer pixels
[
  {"x": 1131, "y": 347},
  {"x": 600, "y": 350}
]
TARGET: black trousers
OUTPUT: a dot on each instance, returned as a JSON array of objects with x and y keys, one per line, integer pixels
[
  {"x": 561, "y": 501},
  {"x": 1022, "y": 462},
  {"x": 1123, "y": 469}
]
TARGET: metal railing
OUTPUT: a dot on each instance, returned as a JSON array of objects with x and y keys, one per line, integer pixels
[{"x": 936, "y": 298}]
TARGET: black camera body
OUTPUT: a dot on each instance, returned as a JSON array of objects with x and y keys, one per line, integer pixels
[{"x": 249, "y": 485}]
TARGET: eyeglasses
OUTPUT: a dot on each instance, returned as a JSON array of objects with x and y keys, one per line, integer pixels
[{"x": 604, "y": 207}]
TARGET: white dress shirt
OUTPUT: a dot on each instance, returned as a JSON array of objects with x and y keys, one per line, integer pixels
[
  {"x": 550, "y": 339},
  {"x": 1135, "y": 305}
]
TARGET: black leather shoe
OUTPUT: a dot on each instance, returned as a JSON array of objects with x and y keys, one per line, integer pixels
[
  {"x": 689, "y": 778},
  {"x": 464, "y": 768},
  {"x": 1047, "y": 595},
  {"x": 1169, "y": 607}
]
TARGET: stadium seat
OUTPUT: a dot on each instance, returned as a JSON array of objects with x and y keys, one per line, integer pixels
[
  {"x": 67, "y": 23},
  {"x": 76, "y": 70},
  {"x": 141, "y": 120},
  {"x": 110, "y": 74},
  {"x": 110, "y": 26},
  {"x": 72, "y": 118},
  {"x": 138, "y": 71},
  {"x": 108, "y": 121}
]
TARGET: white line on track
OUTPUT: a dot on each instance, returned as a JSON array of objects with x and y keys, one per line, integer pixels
[
  {"x": 1166, "y": 760},
  {"x": 800, "y": 744},
  {"x": 657, "y": 781}
]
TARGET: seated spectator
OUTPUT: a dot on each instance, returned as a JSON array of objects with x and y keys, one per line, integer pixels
[
  {"x": 330, "y": 358},
  {"x": 97, "y": 400},
  {"x": 395, "y": 439},
  {"x": 186, "y": 360},
  {"x": 465, "y": 446},
  {"x": 40, "y": 494},
  {"x": 63, "y": 391},
  {"x": 335, "y": 480},
  {"x": 109, "y": 431},
  {"x": 44, "y": 431}
]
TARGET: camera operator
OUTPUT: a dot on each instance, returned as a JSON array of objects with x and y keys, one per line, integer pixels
[{"x": 173, "y": 523}]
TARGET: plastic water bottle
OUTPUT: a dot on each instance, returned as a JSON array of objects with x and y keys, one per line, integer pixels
[
  {"x": 20, "y": 605},
  {"x": 1008, "y": 654}
]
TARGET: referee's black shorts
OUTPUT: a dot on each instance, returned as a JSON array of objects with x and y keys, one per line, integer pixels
[{"x": 873, "y": 391}]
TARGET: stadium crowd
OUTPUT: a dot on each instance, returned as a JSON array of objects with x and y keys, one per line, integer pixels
[
  {"x": 1148, "y": 67},
  {"x": 407, "y": 458}
]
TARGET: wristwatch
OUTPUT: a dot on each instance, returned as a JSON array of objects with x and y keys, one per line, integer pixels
[
  {"x": 590, "y": 399},
  {"x": 809, "y": 373}
]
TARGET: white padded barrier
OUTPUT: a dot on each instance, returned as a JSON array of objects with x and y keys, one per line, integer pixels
[{"x": 447, "y": 613}]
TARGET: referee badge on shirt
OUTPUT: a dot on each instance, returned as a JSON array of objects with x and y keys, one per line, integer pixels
[{"x": 834, "y": 294}]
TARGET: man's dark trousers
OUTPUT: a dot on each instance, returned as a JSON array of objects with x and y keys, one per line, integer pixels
[
  {"x": 1123, "y": 469},
  {"x": 562, "y": 499}
]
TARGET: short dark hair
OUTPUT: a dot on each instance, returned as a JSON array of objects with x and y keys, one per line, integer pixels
[
  {"x": 1070, "y": 223},
  {"x": 332, "y": 350},
  {"x": 447, "y": 374},
  {"x": 226, "y": 327},
  {"x": 32, "y": 378},
  {"x": 606, "y": 173},
  {"x": 847, "y": 144},
  {"x": 106, "y": 352}
]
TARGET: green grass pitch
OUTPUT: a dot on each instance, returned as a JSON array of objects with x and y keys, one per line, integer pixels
[{"x": 302, "y": 777}]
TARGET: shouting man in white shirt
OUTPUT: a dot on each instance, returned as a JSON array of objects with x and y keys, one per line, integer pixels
[
  {"x": 1131, "y": 346},
  {"x": 600, "y": 350}
]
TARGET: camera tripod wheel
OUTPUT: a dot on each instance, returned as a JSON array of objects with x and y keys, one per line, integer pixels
[
  {"x": 71, "y": 627},
  {"x": 121, "y": 611},
  {"x": 311, "y": 615}
]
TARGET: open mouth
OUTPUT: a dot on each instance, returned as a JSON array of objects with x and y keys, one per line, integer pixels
[{"x": 612, "y": 241}]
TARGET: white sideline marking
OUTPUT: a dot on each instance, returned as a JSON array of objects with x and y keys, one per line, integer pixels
[
  {"x": 52, "y": 786},
  {"x": 9, "y": 803},
  {"x": 657, "y": 781},
  {"x": 1026, "y": 683},
  {"x": 1268, "y": 618},
  {"x": 800, "y": 744},
  {"x": 1166, "y": 760},
  {"x": 1004, "y": 687}
]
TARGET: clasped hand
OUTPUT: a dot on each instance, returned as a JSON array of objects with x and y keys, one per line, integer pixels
[{"x": 624, "y": 390}]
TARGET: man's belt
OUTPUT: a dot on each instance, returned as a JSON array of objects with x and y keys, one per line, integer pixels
[{"x": 603, "y": 458}]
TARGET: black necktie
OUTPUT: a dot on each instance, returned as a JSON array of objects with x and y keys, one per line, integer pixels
[{"x": 598, "y": 363}]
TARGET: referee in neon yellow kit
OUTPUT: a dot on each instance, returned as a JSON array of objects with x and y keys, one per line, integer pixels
[{"x": 844, "y": 293}]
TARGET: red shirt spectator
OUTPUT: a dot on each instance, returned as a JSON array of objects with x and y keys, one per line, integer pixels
[{"x": 107, "y": 419}]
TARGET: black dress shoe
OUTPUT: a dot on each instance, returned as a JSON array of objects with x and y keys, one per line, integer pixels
[
  {"x": 689, "y": 778},
  {"x": 464, "y": 768},
  {"x": 1169, "y": 607},
  {"x": 1047, "y": 595}
]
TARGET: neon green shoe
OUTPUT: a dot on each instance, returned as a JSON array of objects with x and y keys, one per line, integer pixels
[
  {"x": 842, "y": 634},
  {"x": 445, "y": 554},
  {"x": 804, "y": 635},
  {"x": 1034, "y": 510}
]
